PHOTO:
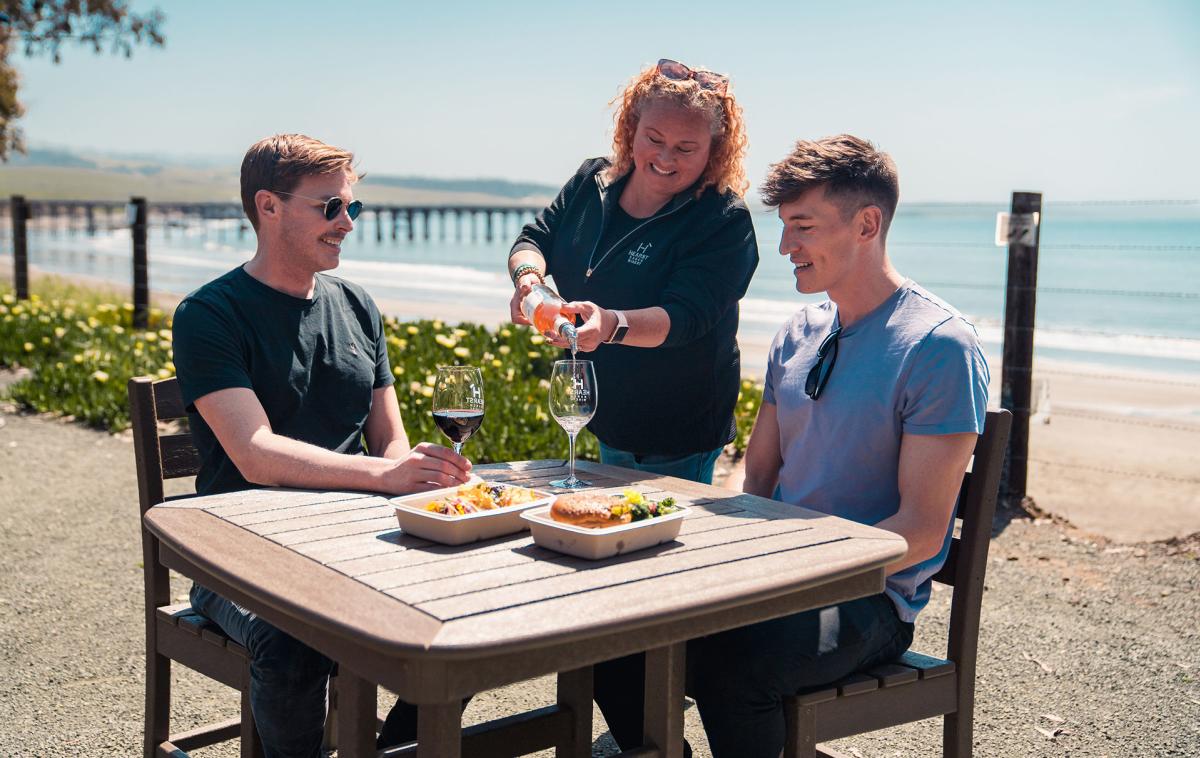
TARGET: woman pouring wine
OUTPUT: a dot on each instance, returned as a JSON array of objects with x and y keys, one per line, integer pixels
[{"x": 653, "y": 248}]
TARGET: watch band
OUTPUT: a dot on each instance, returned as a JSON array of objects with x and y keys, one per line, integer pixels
[{"x": 618, "y": 334}]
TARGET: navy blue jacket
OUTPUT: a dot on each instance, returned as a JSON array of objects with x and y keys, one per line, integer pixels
[{"x": 694, "y": 258}]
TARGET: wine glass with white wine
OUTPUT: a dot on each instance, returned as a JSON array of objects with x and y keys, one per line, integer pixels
[{"x": 572, "y": 404}]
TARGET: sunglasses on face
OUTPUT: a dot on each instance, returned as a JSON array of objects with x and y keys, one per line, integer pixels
[
  {"x": 333, "y": 205},
  {"x": 818, "y": 375},
  {"x": 676, "y": 71}
]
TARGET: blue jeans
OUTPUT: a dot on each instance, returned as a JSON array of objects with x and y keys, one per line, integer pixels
[
  {"x": 696, "y": 467},
  {"x": 289, "y": 682},
  {"x": 740, "y": 678}
]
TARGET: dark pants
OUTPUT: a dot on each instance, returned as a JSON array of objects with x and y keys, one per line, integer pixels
[
  {"x": 740, "y": 678},
  {"x": 289, "y": 683}
]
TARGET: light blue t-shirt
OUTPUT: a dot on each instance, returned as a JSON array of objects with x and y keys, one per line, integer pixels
[{"x": 913, "y": 365}]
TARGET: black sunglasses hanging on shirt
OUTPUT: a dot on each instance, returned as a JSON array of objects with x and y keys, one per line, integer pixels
[{"x": 818, "y": 375}]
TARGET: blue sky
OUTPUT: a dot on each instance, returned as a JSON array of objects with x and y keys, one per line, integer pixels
[{"x": 1081, "y": 100}]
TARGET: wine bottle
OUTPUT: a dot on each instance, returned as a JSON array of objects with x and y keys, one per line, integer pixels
[{"x": 543, "y": 307}]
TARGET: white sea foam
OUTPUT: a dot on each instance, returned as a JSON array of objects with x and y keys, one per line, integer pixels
[{"x": 395, "y": 280}]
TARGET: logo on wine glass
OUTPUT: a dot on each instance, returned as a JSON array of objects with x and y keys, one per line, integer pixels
[
  {"x": 579, "y": 391},
  {"x": 476, "y": 398}
]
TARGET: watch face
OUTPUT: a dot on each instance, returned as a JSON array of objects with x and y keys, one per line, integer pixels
[{"x": 619, "y": 334}]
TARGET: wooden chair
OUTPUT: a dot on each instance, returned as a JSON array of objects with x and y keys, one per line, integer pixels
[
  {"x": 175, "y": 632},
  {"x": 920, "y": 686}
]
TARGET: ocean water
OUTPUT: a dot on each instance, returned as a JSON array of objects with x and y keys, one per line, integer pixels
[{"x": 1118, "y": 283}]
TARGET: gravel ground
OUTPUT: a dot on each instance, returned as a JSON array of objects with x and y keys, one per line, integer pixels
[{"x": 1088, "y": 648}]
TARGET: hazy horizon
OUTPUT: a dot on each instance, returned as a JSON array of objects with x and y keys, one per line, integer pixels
[{"x": 1081, "y": 101}]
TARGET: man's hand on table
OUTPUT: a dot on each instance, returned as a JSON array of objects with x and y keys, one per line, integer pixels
[{"x": 426, "y": 467}]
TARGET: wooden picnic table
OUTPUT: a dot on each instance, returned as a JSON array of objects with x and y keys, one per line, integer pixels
[{"x": 436, "y": 623}]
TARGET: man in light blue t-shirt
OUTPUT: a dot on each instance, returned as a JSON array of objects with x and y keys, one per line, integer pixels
[{"x": 873, "y": 403}]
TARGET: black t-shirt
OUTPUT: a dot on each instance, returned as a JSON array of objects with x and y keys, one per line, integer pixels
[{"x": 313, "y": 363}]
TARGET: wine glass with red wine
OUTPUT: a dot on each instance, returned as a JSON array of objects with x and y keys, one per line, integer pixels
[{"x": 458, "y": 402}]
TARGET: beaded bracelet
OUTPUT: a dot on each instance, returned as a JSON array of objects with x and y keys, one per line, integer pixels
[{"x": 526, "y": 268}]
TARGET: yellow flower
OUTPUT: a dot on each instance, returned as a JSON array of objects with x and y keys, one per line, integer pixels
[
  {"x": 29, "y": 347},
  {"x": 3, "y": 309},
  {"x": 163, "y": 373},
  {"x": 59, "y": 332},
  {"x": 398, "y": 370},
  {"x": 45, "y": 340},
  {"x": 128, "y": 307},
  {"x": 749, "y": 405},
  {"x": 401, "y": 344},
  {"x": 18, "y": 310},
  {"x": 505, "y": 333},
  {"x": 462, "y": 352},
  {"x": 544, "y": 384},
  {"x": 504, "y": 350},
  {"x": 118, "y": 329},
  {"x": 437, "y": 325},
  {"x": 77, "y": 358},
  {"x": 8, "y": 299},
  {"x": 430, "y": 379},
  {"x": 537, "y": 339},
  {"x": 633, "y": 497},
  {"x": 59, "y": 365},
  {"x": 165, "y": 334},
  {"x": 460, "y": 333},
  {"x": 445, "y": 341},
  {"x": 496, "y": 362},
  {"x": 100, "y": 376},
  {"x": 414, "y": 387},
  {"x": 427, "y": 391},
  {"x": 413, "y": 330},
  {"x": 150, "y": 336},
  {"x": 534, "y": 354},
  {"x": 169, "y": 366},
  {"x": 393, "y": 340}
]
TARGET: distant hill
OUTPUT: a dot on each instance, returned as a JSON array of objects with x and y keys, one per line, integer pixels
[{"x": 59, "y": 174}]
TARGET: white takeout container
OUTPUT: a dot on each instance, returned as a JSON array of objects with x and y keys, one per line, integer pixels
[
  {"x": 459, "y": 530},
  {"x": 603, "y": 542}
]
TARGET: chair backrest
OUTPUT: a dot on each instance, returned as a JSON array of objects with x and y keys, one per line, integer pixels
[
  {"x": 158, "y": 457},
  {"x": 967, "y": 562}
]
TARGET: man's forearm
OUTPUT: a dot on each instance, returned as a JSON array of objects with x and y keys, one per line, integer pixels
[{"x": 280, "y": 461}]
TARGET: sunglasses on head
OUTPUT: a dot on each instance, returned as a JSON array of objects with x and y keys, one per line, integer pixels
[
  {"x": 676, "y": 71},
  {"x": 818, "y": 375},
  {"x": 333, "y": 205}
]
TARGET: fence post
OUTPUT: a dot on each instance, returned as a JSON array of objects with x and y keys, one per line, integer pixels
[
  {"x": 1016, "y": 372},
  {"x": 141, "y": 274},
  {"x": 20, "y": 214}
]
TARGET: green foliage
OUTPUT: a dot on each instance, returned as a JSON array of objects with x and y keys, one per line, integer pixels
[
  {"x": 82, "y": 349},
  {"x": 41, "y": 28}
]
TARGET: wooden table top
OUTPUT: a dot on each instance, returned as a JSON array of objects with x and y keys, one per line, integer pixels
[{"x": 337, "y": 565}]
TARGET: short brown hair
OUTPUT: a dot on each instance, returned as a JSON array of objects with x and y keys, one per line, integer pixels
[
  {"x": 854, "y": 173},
  {"x": 724, "y": 170},
  {"x": 279, "y": 162}
]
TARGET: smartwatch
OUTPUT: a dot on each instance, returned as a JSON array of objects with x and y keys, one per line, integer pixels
[{"x": 622, "y": 327}]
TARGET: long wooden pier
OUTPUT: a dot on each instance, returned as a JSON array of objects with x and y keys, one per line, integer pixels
[{"x": 396, "y": 222}]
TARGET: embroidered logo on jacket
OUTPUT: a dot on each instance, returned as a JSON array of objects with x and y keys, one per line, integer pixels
[{"x": 639, "y": 255}]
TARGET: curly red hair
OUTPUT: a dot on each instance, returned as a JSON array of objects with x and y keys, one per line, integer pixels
[{"x": 724, "y": 170}]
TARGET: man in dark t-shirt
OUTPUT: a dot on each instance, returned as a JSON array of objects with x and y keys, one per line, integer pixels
[{"x": 285, "y": 375}]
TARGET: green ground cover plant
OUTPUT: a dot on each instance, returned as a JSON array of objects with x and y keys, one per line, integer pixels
[{"x": 81, "y": 349}]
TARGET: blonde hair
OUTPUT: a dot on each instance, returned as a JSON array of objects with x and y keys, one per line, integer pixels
[
  {"x": 279, "y": 162},
  {"x": 724, "y": 170}
]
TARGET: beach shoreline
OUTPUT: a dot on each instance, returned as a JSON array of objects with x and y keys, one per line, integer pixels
[{"x": 1112, "y": 450}]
